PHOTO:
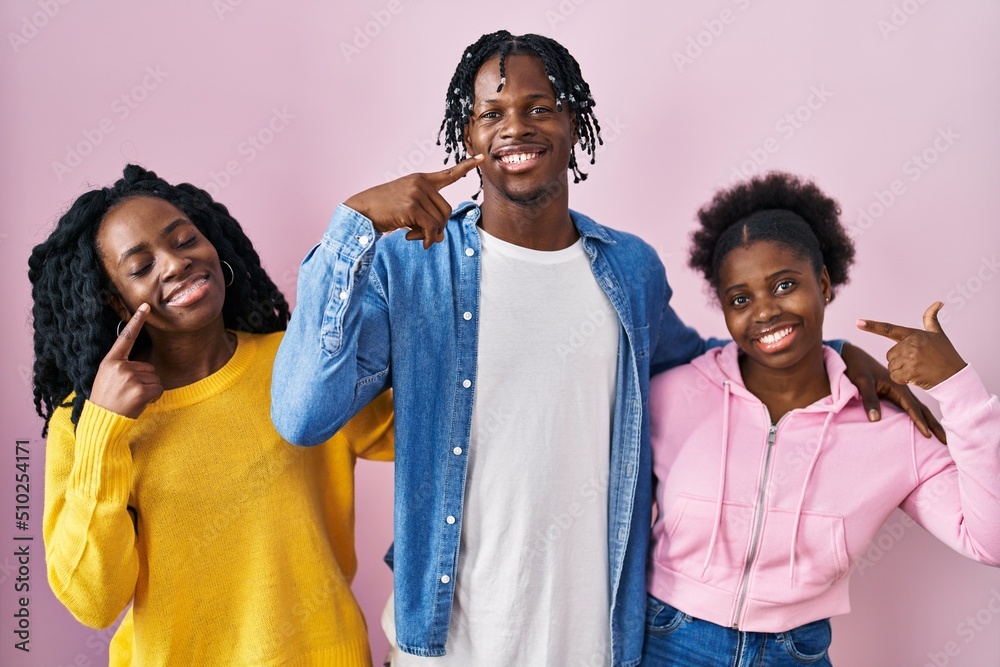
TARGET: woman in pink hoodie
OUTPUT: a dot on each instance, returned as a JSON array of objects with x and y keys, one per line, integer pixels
[{"x": 770, "y": 480}]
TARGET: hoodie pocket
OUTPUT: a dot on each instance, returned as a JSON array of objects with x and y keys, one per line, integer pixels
[
  {"x": 820, "y": 556},
  {"x": 689, "y": 525},
  {"x": 820, "y": 553}
]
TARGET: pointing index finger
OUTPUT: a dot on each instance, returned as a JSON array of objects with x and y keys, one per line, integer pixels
[
  {"x": 891, "y": 331},
  {"x": 126, "y": 339},
  {"x": 445, "y": 177}
]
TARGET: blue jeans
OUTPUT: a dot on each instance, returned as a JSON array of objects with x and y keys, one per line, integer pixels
[{"x": 675, "y": 639}]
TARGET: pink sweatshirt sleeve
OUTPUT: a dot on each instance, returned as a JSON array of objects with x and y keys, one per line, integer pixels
[{"x": 957, "y": 497}]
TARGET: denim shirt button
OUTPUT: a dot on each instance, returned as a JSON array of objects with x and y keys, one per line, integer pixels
[
  {"x": 450, "y": 520},
  {"x": 343, "y": 296},
  {"x": 457, "y": 451},
  {"x": 445, "y": 579},
  {"x": 466, "y": 383},
  {"x": 363, "y": 240},
  {"x": 466, "y": 316},
  {"x": 469, "y": 252}
]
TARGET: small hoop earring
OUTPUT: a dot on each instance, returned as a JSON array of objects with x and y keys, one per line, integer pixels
[
  {"x": 232, "y": 274},
  {"x": 118, "y": 329}
]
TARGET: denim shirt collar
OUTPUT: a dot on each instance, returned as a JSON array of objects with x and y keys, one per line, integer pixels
[{"x": 587, "y": 228}]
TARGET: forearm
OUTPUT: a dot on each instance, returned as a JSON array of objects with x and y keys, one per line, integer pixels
[
  {"x": 90, "y": 540},
  {"x": 317, "y": 373},
  {"x": 960, "y": 502}
]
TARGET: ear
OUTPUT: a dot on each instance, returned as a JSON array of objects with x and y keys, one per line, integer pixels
[
  {"x": 825, "y": 285},
  {"x": 466, "y": 141},
  {"x": 114, "y": 301}
]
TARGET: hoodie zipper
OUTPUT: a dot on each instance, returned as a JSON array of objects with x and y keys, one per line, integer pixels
[{"x": 758, "y": 519}]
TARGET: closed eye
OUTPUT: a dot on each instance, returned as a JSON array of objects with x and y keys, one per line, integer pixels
[{"x": 141, "y": 271}]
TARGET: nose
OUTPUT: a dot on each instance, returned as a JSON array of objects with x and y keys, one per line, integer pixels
[
  {"x": 175, "y": 265},
  {"x": 516, "y": 125},
  {"x": 766, "y": 310}
]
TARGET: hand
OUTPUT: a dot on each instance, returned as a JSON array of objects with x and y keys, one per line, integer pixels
[
  {"x": 873, "y": 381},
  {"x": 924, "y": 358},
  {"x": 413, "y": 201},
  {"x": 122, "y": 386}
]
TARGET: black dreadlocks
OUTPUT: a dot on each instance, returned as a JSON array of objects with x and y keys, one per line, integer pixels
[
  {"x": 560, "y": 66},
  {"x": 74, "y": 326}
]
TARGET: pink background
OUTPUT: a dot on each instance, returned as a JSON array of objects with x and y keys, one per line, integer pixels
[{"x": 180, "y": 87}]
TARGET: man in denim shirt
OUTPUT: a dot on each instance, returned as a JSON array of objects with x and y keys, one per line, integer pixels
[{"x": 520, "y": 379}]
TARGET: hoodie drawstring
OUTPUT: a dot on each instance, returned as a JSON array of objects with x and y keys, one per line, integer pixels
[
  {"x": 802, "y": 497},
  {"x": 722, "y": 477}
]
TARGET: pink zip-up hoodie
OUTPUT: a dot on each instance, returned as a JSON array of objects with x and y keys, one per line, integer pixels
[{"x": 758, "y": 526}]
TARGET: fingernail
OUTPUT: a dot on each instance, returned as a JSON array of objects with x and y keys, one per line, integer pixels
[
  {"x": 143, "y": 308},
  {"x": 873, "y": 415},
  {"x": 862, "y": 324}
]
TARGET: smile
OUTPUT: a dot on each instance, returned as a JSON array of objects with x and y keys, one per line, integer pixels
[
  {"x": 517, "y": 158},
  {"x": 777, "y": 340},
  {"x": 188, "y": 293},
  {"x": 774, "y": 337}
]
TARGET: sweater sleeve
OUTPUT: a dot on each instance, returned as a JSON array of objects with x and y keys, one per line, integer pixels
[
  {"x": 90, "y": 545},
  {"x": 957, "y": 497},
  {"x": 370, "y": 432}
]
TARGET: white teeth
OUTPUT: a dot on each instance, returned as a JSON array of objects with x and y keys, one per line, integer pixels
[
  {"x": 772, "y": 338},
  {"x": 188, "y": 290},
  {"x": 517, "y": 158}
]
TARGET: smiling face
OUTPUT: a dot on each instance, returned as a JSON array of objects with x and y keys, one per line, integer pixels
[
  {"x": 153, "y": 253},
  {"x": 526, "y": 141},
  {"x": 774, "y": 304}
]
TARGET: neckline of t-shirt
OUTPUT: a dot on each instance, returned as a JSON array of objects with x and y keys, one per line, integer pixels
[{"x": 520, "y": 253}]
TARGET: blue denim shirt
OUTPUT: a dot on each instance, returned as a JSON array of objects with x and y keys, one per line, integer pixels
[{"x": 375, "y": 312}]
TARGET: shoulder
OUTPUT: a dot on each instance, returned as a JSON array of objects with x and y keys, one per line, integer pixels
[
  {"x": 685, "y": 373},
  {"x": 616, "y": 240},
  {"x": 634, "y": 262},
  {"x": 61, "y": 420},
  {"x": 266, "y": 343},
  {"x": 893, "y": 420},
  {"x": 261, "y": 348},
  {"x": 680, "y": 383}
]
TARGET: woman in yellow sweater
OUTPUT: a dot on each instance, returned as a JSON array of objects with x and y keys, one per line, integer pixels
[{"x": 166, "y": 485}]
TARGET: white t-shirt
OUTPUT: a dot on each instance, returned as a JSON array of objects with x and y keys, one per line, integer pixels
[{"x": 531, "y": 588}]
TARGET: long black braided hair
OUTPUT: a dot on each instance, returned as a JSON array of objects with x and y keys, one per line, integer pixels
[
  {"x": 560, "y": 66},
  {"x": 74, "y": 325}
]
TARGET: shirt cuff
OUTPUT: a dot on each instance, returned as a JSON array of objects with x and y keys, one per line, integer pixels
[{"x": 349, "y": 233}]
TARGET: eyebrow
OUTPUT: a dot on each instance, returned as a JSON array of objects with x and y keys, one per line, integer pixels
[
  {"x": 766, "y": 278},
  {"x": 136, "y": 249},
  {"x": 533, "y": 96}
]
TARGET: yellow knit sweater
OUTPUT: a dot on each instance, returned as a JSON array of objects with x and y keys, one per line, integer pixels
[{"x": 233, "y": 546}]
